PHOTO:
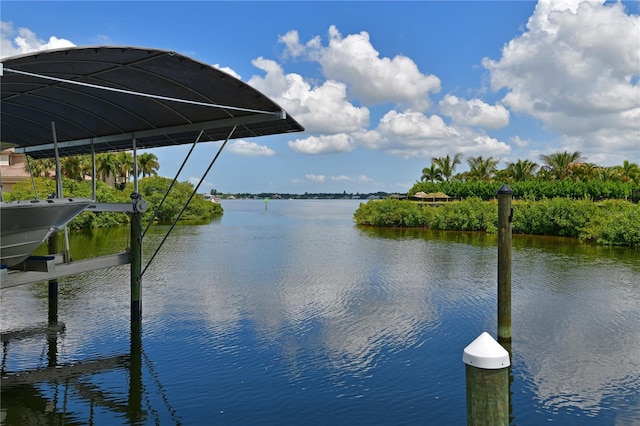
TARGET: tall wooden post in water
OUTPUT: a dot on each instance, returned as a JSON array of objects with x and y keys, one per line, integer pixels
[
  {"x": 136, "y": 260},
  {"x": 505, "y": 216}
]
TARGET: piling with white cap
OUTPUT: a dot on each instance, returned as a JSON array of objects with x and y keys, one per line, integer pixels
[{"x": 487, "y": 377}]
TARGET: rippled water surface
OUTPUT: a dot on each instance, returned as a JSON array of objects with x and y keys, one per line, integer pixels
[{"x": 293, "y": 315}]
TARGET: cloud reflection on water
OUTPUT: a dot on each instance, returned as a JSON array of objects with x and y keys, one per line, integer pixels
[
  {"x": 324, "y": 295},
  {"x": 576, "y": 328}
]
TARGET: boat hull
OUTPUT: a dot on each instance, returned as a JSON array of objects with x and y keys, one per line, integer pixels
[{"x": 25, "y": 225}]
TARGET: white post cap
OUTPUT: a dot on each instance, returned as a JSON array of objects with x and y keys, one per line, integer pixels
[{"x": 486, "y": 353}]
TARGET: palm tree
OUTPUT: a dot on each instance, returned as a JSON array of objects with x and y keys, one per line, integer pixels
[
  {"x": 585, "y": 171},
  {"x": 629, "y": 172},
  {"x": 522, "y": 170},
  {"x": 40, "y": 167},
  {"x": 607, "y": 174},
  {"x": 560, "y": 164},
  {"x": 480, "y": 168},
  {"x": 71, "y": 167},
  {"x": 124, "y": 165},
  {"x": 447, "y": 165},
  {"x": 86, "y": 165},
  {"x": 148, "y": 164},
  {"x": 431, "y": 174},
  {"x": 106, "y": 165}
]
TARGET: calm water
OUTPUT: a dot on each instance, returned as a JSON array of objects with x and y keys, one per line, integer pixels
[{"x": 295, "y": 316}]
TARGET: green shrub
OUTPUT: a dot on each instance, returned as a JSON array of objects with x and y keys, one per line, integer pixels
[
  {"x": 617, "y": 223},
  {"x": 392, "y": 213},
  {"x": 152, "y": 189},
  {"x": 556, "y": 216},
  {"x": 612, "y": 222},
  {"x": 471, "y": 214}
]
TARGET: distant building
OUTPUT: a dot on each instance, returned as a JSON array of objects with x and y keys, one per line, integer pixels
[{"x": 12, "y": 169}]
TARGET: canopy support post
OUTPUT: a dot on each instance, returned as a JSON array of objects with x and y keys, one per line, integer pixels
[
  {"x": 66, "y": 255},
  {"x": 93, "y": 171},
  {"x": 135, "y": 167},
  {"x": 136, "y": 246},
  {"x": 33, "y": 182}
]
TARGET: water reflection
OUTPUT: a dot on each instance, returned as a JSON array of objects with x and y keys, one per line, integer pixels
[
  {"x": 576, "y": 314},
  {"x": 52, "y": 394},
  {"x": 87, "y": 391},
  {"x": 293, "y": 312},
  {"x": 357, "y": 300},
  {"x": 580, "y": 342},
  {"x": 365, "y": 299},
  {"x": 476, "y": 238}
]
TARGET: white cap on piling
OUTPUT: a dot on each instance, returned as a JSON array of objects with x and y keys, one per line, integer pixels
[{"x": 486, "y": 353}]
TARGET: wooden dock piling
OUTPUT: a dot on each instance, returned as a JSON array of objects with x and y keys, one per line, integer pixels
[
  {"x": 136, "y": 261},
  {"x": 505, "y": 216},
  {"x": 487, "y": 382}
]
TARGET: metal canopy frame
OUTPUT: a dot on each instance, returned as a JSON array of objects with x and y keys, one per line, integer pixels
[
  {"x": 107, "y": 96},
  {"x": 90, "y": 100}
]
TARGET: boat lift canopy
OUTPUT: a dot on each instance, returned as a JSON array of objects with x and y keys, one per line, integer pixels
[{"x": 107, "y": 96}]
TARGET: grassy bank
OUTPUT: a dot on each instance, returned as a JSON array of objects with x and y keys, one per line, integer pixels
[
  {"x": 151, "y": 188},
  {"x": 612, "y": 222}
]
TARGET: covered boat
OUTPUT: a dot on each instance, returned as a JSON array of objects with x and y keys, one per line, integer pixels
[{"x": 26, "y": 224}]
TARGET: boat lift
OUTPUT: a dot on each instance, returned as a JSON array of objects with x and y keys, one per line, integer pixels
[{"x": 115, "y": 98}]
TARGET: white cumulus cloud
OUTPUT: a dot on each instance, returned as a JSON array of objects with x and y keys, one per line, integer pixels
[
  {"x": 576, "y": 69},
  {"x": 23, "y": 40},
  {"x": 320, "y": 109},
  {"x": 474, "y": 112},
  {"x": 408, "y": 134},
  {"x": 228, "y": 70},
  {"x": 519, "y": 142},
  {"x": 355, "y": 70},
  {"x": 323, "y": 144},
  {"x": 486, "y": 146},
  {"x": 414, "y": 134},
  {"x": 250, "y": 149},
  {"x": 370, "y": 78},
  {"x": 315, "y": 178}
]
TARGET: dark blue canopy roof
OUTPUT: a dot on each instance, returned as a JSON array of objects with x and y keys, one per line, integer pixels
[{"x": 107, "y": 96}]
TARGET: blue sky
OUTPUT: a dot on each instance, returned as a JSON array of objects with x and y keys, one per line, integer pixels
[{"x": 382, "y": 87}]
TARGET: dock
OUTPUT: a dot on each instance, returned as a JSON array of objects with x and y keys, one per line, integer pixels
[{"x": 43, "y": 269}]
